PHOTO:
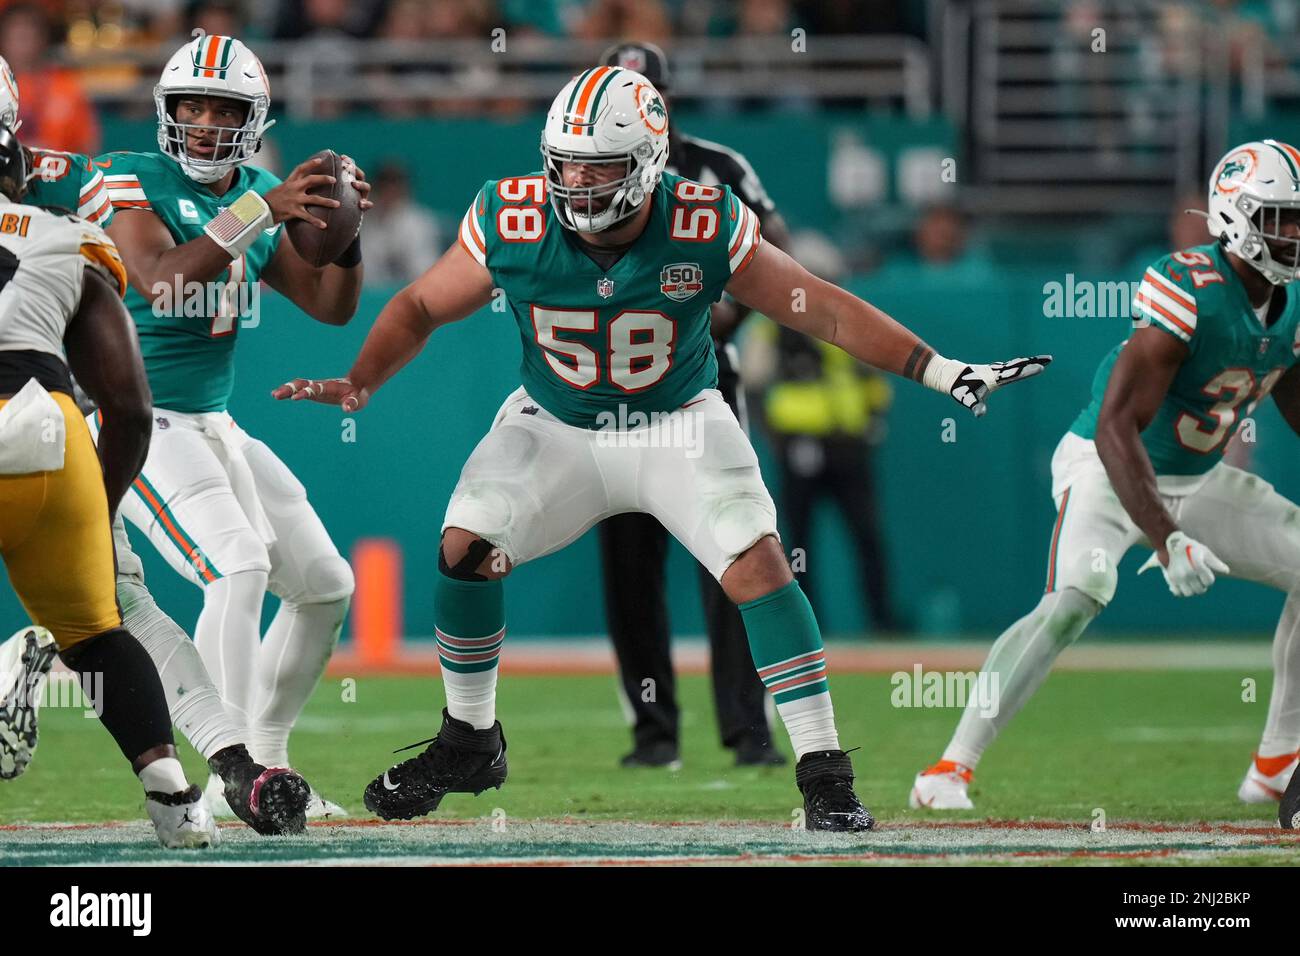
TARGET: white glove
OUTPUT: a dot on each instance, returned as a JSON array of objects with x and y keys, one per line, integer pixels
[
  {"x": 969, "y": 384},
  {"x": 1191, "y": 565}
]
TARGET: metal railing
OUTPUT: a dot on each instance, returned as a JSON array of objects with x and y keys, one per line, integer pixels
[
  {"x": 1070, "y": 113},
  {"x": 312, "y": 76}
]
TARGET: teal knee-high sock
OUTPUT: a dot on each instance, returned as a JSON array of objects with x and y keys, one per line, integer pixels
[
  {"x": 470, "y": 617},
  {"x": 786, "y": 645}
]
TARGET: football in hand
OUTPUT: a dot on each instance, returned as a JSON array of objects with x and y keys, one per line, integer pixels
[{"x": 319, "y": 247}]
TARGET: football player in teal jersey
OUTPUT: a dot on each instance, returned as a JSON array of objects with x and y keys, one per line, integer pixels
[
  {"x": 217, "y": 503},
  {"x": 271, "y": 801},
  {"x": 59, "y": 181},
  {"x": 1217, "y": 329},
  {"x": 609, "y": 266}
]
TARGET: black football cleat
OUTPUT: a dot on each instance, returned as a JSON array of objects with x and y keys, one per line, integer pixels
[
  {"x": 825, "y": 778},
  {"x": 25, "y": 662},
  {"x": 271, "y": 800},
  {"x": 459, "y": 760},
  {"x": 1288, "y": 810}
]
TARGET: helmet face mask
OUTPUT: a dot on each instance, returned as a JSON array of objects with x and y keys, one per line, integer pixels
[
  {"x": 1254, "y": 208},
  {"x": 208, "y": 67},
  {"x": 600, "y": 206},
  {"x": 14, "y": 173},
  {"x": 8, "y": 98},
  {"x": 1268, "y": 248},
  {"x": 605, "y": 116}
]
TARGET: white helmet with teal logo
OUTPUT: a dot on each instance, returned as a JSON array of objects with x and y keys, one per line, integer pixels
[
  {"x": 607, "y": 114},
  {"x": 1250, "y": 188},
  {"x": 213, "y": 66}
]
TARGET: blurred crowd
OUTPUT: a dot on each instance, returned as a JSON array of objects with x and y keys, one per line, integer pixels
[{"x": 133, "y": 23}]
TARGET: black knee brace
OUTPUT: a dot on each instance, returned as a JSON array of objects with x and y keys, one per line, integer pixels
[{"x": 466, "y": 569}]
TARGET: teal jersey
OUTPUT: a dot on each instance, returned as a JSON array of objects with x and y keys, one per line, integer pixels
[
  {"x": 1233, "y": 360},
  {"x": 68, "y": 182},
  {"x": 187, "y": 335},
  {"x": 604, "y": 347}
]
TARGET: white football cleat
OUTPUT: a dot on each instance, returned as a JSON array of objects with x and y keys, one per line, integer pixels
[
  {"x": 25, "y": 662},
  {"x": 182, "y": 820},
  {"x": 215, "y": 795},
  {"x": 1267, "y": 778},
  {"x": 318, "y": 808},
  {"x": 942, "y": 787}
]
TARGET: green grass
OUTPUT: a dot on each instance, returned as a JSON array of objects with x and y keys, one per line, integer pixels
[{"x": 1163, "y": 746}]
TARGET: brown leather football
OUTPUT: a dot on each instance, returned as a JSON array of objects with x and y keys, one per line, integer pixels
[{"x": 319, "y": 247}]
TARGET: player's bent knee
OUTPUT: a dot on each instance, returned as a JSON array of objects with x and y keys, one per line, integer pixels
[
  {"x": 329, "y": 579},
  {"x": 1069, "y": 612},
  {"x": 759, "y": 570},
  {"x": 465, "y": 556},
  {"x": 1094, "y": 573}
]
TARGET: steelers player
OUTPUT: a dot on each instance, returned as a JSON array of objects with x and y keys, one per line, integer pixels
[{"x": 57, "y": 497}]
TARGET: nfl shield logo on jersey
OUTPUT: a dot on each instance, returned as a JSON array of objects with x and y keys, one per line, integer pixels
[
  {"x": 605, "y": 288},
  {"x": 681, "y": 280}
]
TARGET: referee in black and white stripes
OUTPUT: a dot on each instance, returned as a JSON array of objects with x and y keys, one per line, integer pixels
[{"x": 634, "y": 547}]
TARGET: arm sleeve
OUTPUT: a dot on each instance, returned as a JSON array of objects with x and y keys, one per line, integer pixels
[
  {"x": 124, "y": 189},
  {"x": 1163, "y": 302},
  {"x": 471, "y": 234},
  {"x": 93, "y": 203},
  {"x": 743, "y": 236}
]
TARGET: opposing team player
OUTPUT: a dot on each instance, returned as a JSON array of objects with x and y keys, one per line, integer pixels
[
  {"x": 63, "y": 280},
  {"x": 1218, "y": 330},
  {"x": 218, "y": 504},
  {"x": 619, "y": 412},
  {"x": 271, "y": 801}
]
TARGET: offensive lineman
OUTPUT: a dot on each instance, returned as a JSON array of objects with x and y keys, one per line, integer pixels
[
  {"x": 602, "y": 346},
  {"x": 223, "y": 510},
  {"x": 1218, "y": 330}
]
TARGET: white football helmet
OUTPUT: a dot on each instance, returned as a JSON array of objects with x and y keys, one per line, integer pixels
[
  {"x": 8, "y": 98},
  {"x": 213, "y": 66},
  {"x": 1250, "y": 188},
  {"x": 607, "y": 114}
]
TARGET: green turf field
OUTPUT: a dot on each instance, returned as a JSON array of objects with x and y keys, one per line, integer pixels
[{"x": 1145, "y": 748}]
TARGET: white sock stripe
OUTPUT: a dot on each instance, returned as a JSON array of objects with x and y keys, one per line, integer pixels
[
  {"x": 776, "y": 677},
  {"x": 443, "y": 646},
  {"x": 475, "y": 658},
  {"x": 805, "y": 656},
  {"x": 801, "y": 681},
  {"x": 467, "y": 642}
]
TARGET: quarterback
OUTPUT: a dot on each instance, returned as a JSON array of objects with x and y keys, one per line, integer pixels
[
  {"x": 271, "y": 801},
  {"x": 1217, "y": 330},
  {"x": 217, "y": 503},
  {"x": 609, "y": 266}
]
